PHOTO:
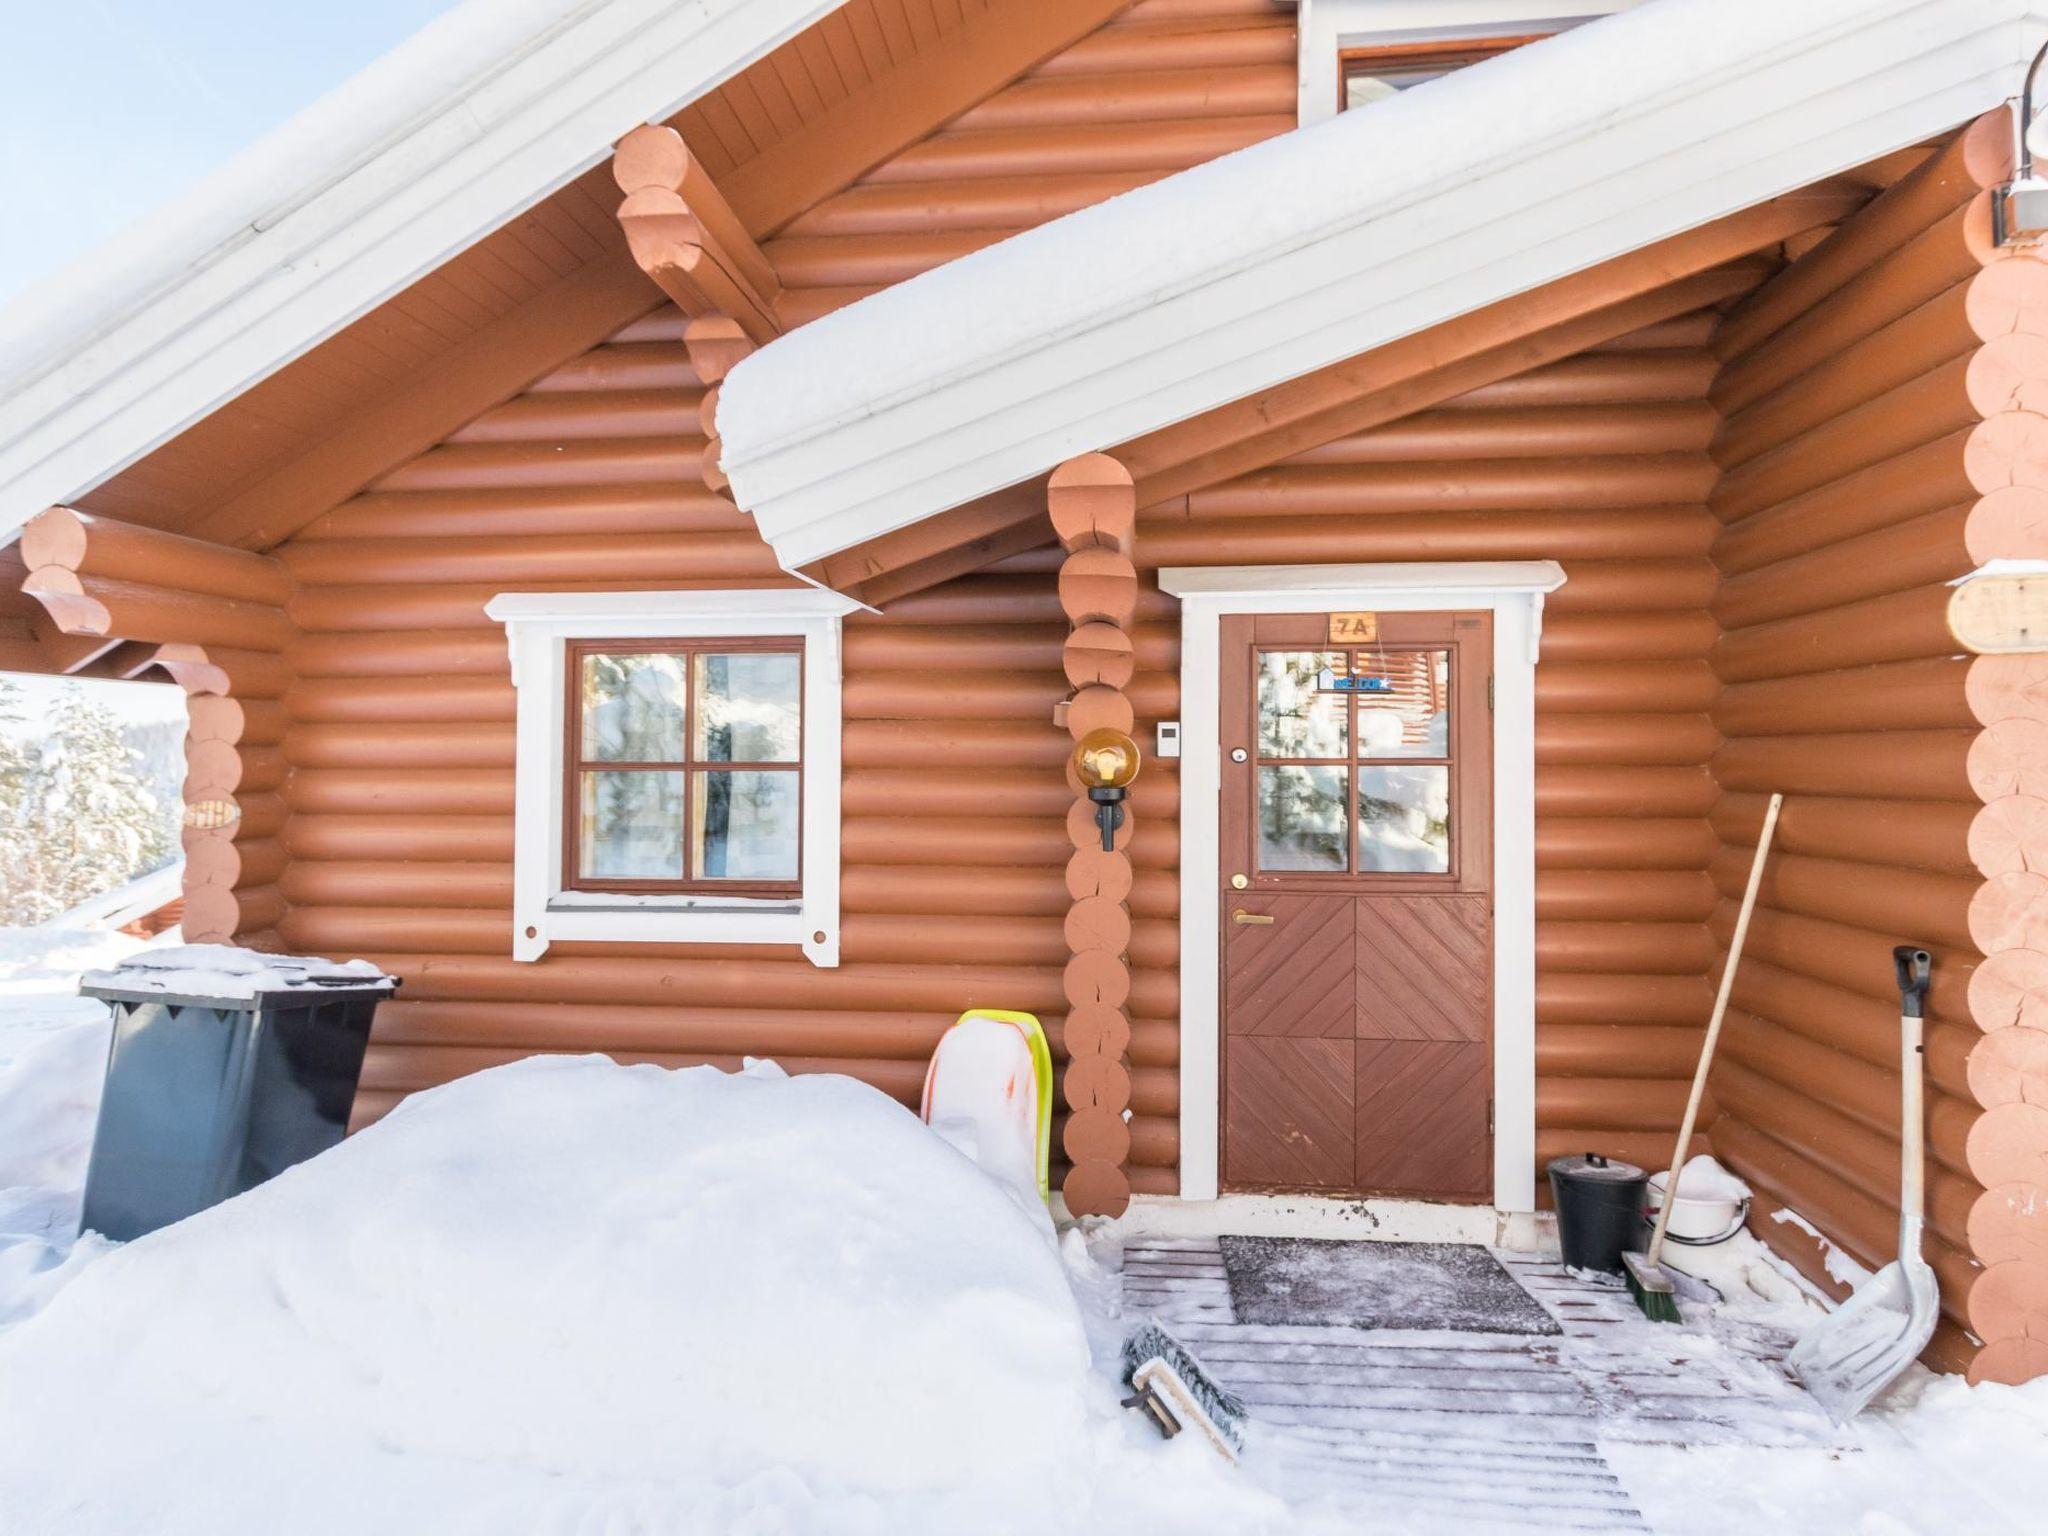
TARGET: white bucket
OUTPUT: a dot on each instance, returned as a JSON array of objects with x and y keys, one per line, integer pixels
[{"x": 1701, "y": 1223}]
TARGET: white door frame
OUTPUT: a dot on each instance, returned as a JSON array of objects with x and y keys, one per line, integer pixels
[{"x": 1514, "y": 592}]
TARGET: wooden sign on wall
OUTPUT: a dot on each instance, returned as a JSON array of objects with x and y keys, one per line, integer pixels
[
  {"x": 1354, "y": 628},
  {"x": 2000, "y": 614}
]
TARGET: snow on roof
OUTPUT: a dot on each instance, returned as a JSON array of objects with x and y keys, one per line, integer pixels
[
  {"x": 479, "y": 115},
  {"x": 1323, "y": 243}
]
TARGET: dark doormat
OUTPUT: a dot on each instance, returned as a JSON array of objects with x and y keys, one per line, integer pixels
[{"x": 1289, "y": 1281}]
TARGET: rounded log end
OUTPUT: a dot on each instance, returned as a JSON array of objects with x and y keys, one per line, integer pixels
[
  {"x": 2009, "y": 757},
  {"x": 55, "y": 536},
  {"x": 1098, "y": 977},
  {"x": 1987, "y": 149},
  {"x": 1096, "y": 1189},
  {"x": 2013, "y": 1362},
  {"x": 652, "y": 155},
  {"x": 67, "y": 603},
  {"x": 2009, "y": 1145},
  {"x": 2009, "y": 373},
  {"x": 212, "y": 914},
  {"x": 1096, "y": 1083},
  {"x": 2009, "y": 296},
  {"x": 2008, "y": 687},
  {"x": 1096, "y": 922},
  {"x": 2010, "y": 1066},
  {"x": 1095, "y": 1029},
  {"x": 1097, "y": 1136},
  {"x": 2010, "y": 836},
  {"x": 2010, "y": 448},
  {"x": 1089, "y": 471},
  {"x": 1092, "y": 873},
  {"x": 2009, "y": 990},
  {"x": 2010, "y": 912},
  {"x": 2010, "y": 1222},
  {"x": 2010, "y": 1301}
]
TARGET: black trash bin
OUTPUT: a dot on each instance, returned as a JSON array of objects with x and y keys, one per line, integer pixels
[
  {"x": 1599, "y": 1204},
  {"x": 208, "y": 1095}
]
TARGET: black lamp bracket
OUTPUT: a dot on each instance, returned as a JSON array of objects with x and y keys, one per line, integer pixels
[{"x": 1109, "y": 812}]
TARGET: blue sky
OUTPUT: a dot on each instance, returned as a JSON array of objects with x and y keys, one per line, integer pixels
[{"x": 109, "y": 107}]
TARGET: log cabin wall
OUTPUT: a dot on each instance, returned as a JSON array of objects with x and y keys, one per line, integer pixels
[
  {"x": 1877, "y": 402},
  {"x": 400, "y": 735},
  {"x": 1598, "y": 462}
]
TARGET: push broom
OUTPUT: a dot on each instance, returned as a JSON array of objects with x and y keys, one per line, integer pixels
[{"x": 1648, "y": 1281}]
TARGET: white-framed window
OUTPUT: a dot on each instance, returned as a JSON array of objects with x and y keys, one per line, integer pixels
[
  {"x": 677, "y": 767},
  {"x": 1353, "y": 52}
]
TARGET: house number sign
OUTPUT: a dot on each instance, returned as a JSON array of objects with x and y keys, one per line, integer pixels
[{"x": 1354, "y": 628}]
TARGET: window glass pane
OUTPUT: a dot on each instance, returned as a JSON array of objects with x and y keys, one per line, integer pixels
[
  {"x": 1302, "y": 709},
  {"x": 745, "y": 826},
  {"x": 748, "y": 707},
  {"x": 633, "y": 708},
  {"x": 1301, "y": 818},
  {"x": 632, "y": 826},
  {"x": 1404, "y": 702},
  {"x": 1404, "y": 820}
]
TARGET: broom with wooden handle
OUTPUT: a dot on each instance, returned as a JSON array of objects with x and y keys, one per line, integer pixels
[{"x": 1648, "y": 1281}]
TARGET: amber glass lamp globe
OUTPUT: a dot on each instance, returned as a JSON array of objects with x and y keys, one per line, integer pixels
[{"x": 1106, "y": 759}]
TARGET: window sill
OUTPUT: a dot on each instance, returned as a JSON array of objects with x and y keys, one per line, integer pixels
[{"x": 652, "y": 921}]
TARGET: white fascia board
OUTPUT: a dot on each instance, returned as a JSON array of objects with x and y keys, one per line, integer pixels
[
  {"x": 325, "y": 219},
  {"x": 1903, "y": 71}
]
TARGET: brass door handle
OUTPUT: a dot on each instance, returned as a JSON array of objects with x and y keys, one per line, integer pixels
[{"x": 1249, "y": 918}]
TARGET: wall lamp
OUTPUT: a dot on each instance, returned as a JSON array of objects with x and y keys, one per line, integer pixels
[
  {"x": 2019, "y": 209},
  {"x": 1106, "y": 761}
]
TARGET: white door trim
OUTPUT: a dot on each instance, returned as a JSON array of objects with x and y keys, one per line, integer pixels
[{"x": 1514, "y": 592}]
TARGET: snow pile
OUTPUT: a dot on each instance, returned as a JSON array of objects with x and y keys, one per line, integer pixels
[
  {"x": 1705, "y": 1179},
  {"x": 222, "y": 970},
  {"x": 566, "y": 1295}
]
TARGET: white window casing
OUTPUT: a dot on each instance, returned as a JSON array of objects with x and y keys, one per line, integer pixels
[
  {"x": 1326, "y": 28},
  {"x": 538, "y": 629},
  {"x": 1513, "y": 591}
]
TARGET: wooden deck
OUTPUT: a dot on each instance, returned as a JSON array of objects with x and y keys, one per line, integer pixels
[{"x": 1499, "y": 1433}]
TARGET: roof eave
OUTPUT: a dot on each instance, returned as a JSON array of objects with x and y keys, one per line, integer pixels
[
  {"x": 1910, "y": 71},
  {"x": 187, "y": 330}
]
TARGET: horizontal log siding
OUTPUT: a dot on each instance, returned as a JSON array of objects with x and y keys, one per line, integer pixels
[
  {"x": 1600, "y": 463},
  {"x": 400, "y": 737},
  {"x": 1851, "y": 390}
]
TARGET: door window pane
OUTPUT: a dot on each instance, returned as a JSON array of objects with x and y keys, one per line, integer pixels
[
  {"x": 744, "y": 826},
  {"x": 1302, "y": 711},
  {"x": 748, "y": 707},
  {"x": 1404, "y": 819},
  {"x": 631, "y": 826},
  {"x": 633, "y": 708},
  {"x": 1404, "y": 700},
  {"x": 1301, "y": 819}
]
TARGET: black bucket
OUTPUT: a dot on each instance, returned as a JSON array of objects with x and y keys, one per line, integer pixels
[{"x": 1599, "y": 1205}]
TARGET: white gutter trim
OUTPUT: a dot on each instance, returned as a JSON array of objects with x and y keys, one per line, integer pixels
[
  {"x": 1900, "y": 72},
  {"x": 408, "y": 163}
]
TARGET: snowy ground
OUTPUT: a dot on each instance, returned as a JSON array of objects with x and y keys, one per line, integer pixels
[{"x": 567, "y": 1296}]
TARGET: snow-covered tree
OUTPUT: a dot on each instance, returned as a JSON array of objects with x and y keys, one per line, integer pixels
[{"x": 83, "y": 808}]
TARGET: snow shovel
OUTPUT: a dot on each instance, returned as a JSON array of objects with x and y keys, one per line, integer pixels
[{"x": 1855, "y": 1352}]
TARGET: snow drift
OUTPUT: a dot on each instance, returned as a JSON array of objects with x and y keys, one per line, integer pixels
[{"x": 569, "y": 1295}]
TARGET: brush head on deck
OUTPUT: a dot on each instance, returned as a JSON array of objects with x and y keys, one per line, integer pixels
[{"x": 1651, "y": 1287}]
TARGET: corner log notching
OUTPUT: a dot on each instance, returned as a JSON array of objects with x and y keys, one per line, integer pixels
[
  {"x": 1094, "y": 512},
  {"x": 215, "y": 619}
]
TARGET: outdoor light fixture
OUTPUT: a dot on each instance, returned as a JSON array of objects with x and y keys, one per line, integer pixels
[
  {"x": 2019, "y": 209},
  {"x": 1106, "y": 761}
]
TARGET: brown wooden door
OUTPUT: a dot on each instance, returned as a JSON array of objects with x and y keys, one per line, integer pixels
[{"x": 1357, "y": 904}]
